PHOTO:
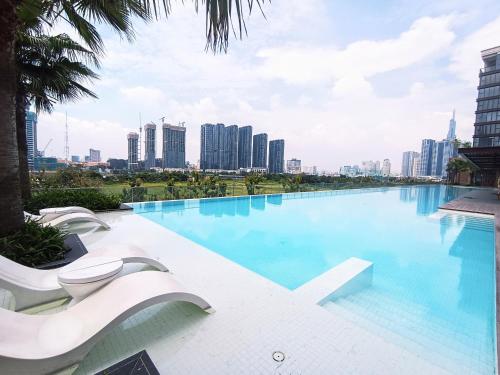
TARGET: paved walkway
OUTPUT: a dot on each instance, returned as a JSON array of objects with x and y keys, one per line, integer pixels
[{"x": 484, "y": 201}]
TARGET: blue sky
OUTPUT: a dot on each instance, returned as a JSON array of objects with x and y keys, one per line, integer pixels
[{"x": 340, "y": 81}]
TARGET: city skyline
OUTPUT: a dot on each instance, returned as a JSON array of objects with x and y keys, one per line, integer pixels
[{"x": 313, "y": 97}]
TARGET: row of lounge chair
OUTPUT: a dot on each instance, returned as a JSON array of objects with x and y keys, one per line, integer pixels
[
  {"x": 45, "y": 344},
  {"x": 61, "y": 216}
]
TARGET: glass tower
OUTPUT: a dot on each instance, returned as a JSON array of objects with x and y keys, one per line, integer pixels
[
  {"x": 487, "y": 124},
  {"x": 230, "y": 148},
  {"x": 174, "y": 146},
  {"x": 150, "y": 145},
  {"x": 259, "y": 157},
  {"x": 211, "y": 146},
  {"x": 245, "y": 147},
  {"x": 133, "y": 150},
  {"x": 426, "y": 156},
  {"x": 276, "y": 156}
]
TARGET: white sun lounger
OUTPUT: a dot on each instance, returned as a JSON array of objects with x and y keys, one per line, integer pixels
[
  {"x": 63, "y": 219},
  {"x": 32, "y": 287},
  {"x": 53, "y": 212},
  {"x": 43, "y": 344}
]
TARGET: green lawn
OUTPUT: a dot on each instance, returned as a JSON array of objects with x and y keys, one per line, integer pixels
[{"x": 234, "y": 187}]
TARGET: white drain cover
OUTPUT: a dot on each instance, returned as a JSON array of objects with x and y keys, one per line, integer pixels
[{"x": 279, "y": 356}]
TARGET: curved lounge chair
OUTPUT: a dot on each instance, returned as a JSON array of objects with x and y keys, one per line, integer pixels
[
  {"x": 63, "y": 219},
  {"x": 53, "y": 212},
  {"x": 44, "y": 344},
  {"x": 32, "y": 287}
]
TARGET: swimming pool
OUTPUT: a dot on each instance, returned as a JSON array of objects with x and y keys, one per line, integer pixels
[{"x": 433, "y": 283}]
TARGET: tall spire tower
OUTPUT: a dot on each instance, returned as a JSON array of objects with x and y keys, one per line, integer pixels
[{"x": 452, "y": 128}]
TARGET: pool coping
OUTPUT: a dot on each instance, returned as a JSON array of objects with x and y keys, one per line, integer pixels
[
  {"x": 130, "y": 205},
  {"x": 478, "y": 205}
]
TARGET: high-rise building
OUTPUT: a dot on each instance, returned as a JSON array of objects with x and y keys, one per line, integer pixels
[
  {"x": 150, "y": 145},
  {"x": 426, "y": 156},
  {"x": 452, "y": 128},
  {"x": 276, "y": 156},
  {"x": 408, "y": 164},
  {"x": 259, "y": 152},
  {"x": 75, "y": 158},
  {"x": 229, "y": 157},
  {"x": 31, "y": 139},
  {"x": 94, "y": 156},
  {"x": 386, "y": 168},
  {"x": 487, "y": 124},
  {"x": 245, "y": 147},
  {"x": 370, "y": 168},
  {"x": 174, "y": 146},
  {"x": 293, "y": 166},
  {"x": 133, "y": 150},
  {"x": 416, "y": 166},
  {"x": 211, "y": 146},
  {"x": 437, "y": 159}
]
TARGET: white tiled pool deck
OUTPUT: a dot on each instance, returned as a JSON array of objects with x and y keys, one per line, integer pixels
[{"x": 254, "y": 318}]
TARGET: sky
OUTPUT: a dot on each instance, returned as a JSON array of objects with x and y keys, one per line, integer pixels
[{"x": 340, "y": 81}]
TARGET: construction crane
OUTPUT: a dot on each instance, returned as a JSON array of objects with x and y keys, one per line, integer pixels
[
  {"x": 162, "y": 119},
  {"x": 47, "y": 145},
  {"x": 181, "y": 123}
]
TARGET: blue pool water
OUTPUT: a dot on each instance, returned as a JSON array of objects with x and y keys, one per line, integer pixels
[{"x": 433, "y": 283}]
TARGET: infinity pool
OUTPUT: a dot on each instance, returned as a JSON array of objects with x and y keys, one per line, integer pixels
[{"x": 433, "y": 287}]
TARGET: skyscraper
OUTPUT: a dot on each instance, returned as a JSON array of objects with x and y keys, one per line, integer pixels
[
  {"x": 174, "y": 146},
  {"x": 211, "y": 146},
  {"x": 259, "y": 154},
  {"x": 31, "y": 125},
  {"x": 229, "y": 159},
  {"x": 293, "y": 166},
  {"x": 437, "y": 159},
  {"x": 276, "y": 156},
  {"x": 94, "y": 156},
  {"x": 426, "y": 155},
  {"x": 150, "y": 145},
  {"x": 452, "y": 128},
  {"x": 485, "y": 153},
  {"x": 386, "y": 168},
  {"x": 133, "y": 150},
  {"x": 245, "y": 147},
  {"x": 408, "y": 164}
]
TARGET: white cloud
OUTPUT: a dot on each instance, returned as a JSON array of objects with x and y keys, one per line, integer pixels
[
  {"x": 426, "y": 38},
  {"x": 466, "y": 57},
  {"x": 143, "y": 95}
]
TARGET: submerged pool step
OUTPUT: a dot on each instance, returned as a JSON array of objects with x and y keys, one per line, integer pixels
[
  {"x": 407, "y": 324},
  {"x": 348, "y": 277}
]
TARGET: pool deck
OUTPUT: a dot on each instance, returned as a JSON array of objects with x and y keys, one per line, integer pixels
[{"x": 484, "y": 201}]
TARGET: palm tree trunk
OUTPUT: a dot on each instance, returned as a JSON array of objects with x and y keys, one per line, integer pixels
[
  {"x": 11, "y": 208},
  {"x": 22, "y": 145}
]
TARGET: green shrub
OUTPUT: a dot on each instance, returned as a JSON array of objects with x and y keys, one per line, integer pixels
[
  {"x": 34, "y": 244},
  {"x": 92, "y": 199}
]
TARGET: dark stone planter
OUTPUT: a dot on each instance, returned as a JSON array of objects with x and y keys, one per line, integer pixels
[
  {"x": 76, "y": 250},
  {"x": 137, "y": 364}
]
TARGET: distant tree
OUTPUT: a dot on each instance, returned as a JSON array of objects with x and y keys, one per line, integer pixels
[
  {"x": 458, "y": 165},
  {"x": 252, "y": 180}
]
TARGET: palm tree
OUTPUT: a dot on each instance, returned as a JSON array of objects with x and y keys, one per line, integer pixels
[
  {"x": 252, "y": 180},
  {"x": 80, "y": 15},
  {"x": 457, "y": 165},
  {"x": 11, "y": 208},
  {"x": 48, "y": 72}
]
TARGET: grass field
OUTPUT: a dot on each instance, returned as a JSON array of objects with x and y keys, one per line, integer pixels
[{"x": 234, "y": 188}]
